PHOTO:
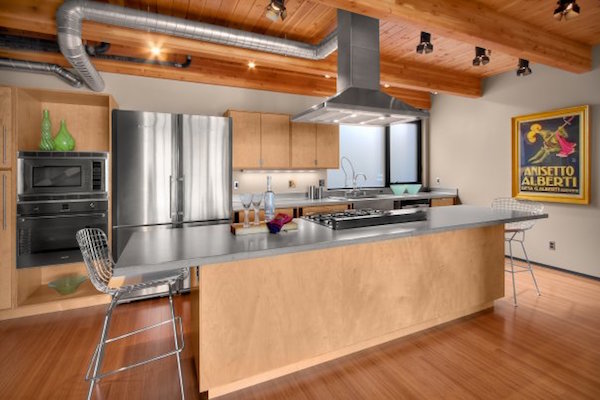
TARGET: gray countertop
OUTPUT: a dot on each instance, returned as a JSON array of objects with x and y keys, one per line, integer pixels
[
  {"x": 300, "y": 201},
  {"x": 165, "y": 249}
]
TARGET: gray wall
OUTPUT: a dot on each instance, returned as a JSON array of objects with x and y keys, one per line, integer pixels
[
  {"x": 470, "y": 149},
  {"x": 151, "y": 94}
]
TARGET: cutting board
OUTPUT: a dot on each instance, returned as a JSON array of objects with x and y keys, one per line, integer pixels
[{"x": 239, "y": 230}]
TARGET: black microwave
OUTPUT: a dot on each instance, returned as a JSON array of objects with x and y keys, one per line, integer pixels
[{"x": 77, "y": 174}]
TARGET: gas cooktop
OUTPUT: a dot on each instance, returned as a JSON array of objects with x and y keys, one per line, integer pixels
[{"x": 367, "y": 217}]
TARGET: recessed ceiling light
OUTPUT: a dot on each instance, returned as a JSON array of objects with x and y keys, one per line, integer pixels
[
  {"x": 425, "y": 46},
  {"x": 251, "y": 64},
  {"x": 381, "y": 118},
  {"x": 362, "y": 123},
  {"x": 434, "y": 93},
  {"x": 327, "y": 76},
  {"x": 523, "y": 69},
  {"x": 336, "y": 121},
  {"x": 567, "y": 9},
  {"x": 155, "y": 50},
  {"x": 352, "y": 115},
  {"x": 386, "y": 85}
]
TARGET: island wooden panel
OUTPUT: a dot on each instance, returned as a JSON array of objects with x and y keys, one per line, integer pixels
[{"x": 262, "y": 318}]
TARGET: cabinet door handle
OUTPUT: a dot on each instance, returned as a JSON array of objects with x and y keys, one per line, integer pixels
[
  {"x": 3, "y": 143},
  {"x": 3, "y": 202}
]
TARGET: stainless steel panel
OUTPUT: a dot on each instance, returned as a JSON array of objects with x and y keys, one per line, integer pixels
[
  {"x": 206, "y": 168},
  {"x": 142, "y": 167}
]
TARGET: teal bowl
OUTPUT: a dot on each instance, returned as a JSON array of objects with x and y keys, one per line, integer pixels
[
  {"x": 413, "y": 189},
  {"x": 398, "y": 189},
  {"x": 67, "y": 284}
]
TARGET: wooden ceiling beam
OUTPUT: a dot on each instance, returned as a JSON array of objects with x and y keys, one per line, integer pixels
[
  {"x": 408, "y": 75},
  {"x": 473, "y": 22},
  {"x": 226, "y": 74}
]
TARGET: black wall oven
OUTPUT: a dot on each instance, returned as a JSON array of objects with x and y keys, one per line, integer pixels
[{"x": 59, "y": 193}]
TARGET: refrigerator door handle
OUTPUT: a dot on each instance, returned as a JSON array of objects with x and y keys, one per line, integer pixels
[
  {"x": 171, "y": 196},
  {"x": 182, "y": 180}
]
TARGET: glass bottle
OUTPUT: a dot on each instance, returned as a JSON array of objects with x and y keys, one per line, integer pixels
[
  {"x": 269, "y": 201},
  {"x": 47, "y": 143},
  {"x": 63, "y": 140}
]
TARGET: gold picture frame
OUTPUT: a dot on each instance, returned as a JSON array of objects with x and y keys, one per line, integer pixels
[{"x": 551, "y": 156}]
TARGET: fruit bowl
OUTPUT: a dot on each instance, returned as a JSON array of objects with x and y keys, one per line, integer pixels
[{"x": 67, "y": 284}]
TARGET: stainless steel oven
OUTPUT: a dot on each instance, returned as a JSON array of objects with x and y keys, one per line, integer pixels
[
  {"x": 58, "y": 193},
  {"x": 46, "y": 230},
  {"x": 82, "y": 174}
]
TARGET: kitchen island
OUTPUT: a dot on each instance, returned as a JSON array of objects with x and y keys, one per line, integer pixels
[{"x": 268, "y": 305}]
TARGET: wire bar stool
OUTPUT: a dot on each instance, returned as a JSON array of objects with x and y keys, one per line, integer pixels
[
  {"x": 98, "y": 260},
  {"x": 515, "y": 232}
]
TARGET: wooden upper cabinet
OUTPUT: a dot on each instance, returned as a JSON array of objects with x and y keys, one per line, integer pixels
[
  {"x": 6, "y": 142},
  {"x": 246, "y": 139},
  {"x": 303, "y": 148},
  {"x": 328, "y": 146},
  {"x": 275, "y": 141}
]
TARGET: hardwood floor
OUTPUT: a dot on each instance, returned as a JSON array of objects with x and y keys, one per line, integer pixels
[{"x": 546, "y": 348}]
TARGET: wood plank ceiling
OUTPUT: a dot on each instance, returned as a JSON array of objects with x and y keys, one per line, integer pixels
[{"x": 410, "y": 76}]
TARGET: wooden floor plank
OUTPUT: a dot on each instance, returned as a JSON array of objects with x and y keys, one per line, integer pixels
[{"x": 545, "y": 348}]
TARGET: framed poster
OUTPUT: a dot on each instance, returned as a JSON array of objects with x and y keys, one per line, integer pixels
[{"x": 550, "y": 156}]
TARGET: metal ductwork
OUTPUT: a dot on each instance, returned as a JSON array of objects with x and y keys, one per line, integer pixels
[
  {"x": 31, "y": 66},
  {"x": 359, "y": 100},
  {"x": 71, "y": 14}
]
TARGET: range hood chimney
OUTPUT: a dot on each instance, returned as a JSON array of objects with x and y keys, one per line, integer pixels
[{"x": 359, "y": 100}]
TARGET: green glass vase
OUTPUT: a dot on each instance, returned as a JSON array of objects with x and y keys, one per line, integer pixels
[
  {"x": 63, "y": 140},
  {"x": 47, "y": 143}
]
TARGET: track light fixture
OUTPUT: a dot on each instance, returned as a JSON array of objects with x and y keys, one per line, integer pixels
[
  {"x": 276, "y": 10},
  {"x": 425, "y": 47},
  {"x": 481, "y": 56},
  {"x": 523, "y": 69},
  {"x": 567, "y": 9}
]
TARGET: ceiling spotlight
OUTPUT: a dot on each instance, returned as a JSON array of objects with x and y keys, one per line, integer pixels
[
  {"x": 327, "y": 76},
  {"x": 155, "y": 50},
  {"x": 425, "y": 47},
  {"x": 523, "y": 69},
  {"x": 352, "y": 115},
  {"x": 481, "y": 56},
  {"x": 276, "y": 10},
  {"x": 567, "y": 9},
  {"x": 251, "y": 64},
  {"x": 386, "y": 85}
]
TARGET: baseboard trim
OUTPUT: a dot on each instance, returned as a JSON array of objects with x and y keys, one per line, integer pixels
[{"x": 568, "y": 271}]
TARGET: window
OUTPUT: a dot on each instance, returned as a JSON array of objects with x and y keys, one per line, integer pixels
[
  {"x": 384, "y": 155},
  {"x": 405, "y": 153},
  {"x": 364, "y": 146}
]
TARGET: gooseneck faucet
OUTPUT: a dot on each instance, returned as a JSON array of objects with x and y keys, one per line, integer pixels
[{"x": 355, "y": 176}]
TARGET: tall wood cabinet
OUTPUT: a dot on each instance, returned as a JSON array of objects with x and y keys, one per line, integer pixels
[{"x": 6, "y": 193}]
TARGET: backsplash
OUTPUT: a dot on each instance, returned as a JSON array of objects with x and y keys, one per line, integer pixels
[{"x": 256, "y": 181}]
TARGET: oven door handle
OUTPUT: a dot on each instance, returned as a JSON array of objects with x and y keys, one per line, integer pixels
[{"x": 102, "y": 215}]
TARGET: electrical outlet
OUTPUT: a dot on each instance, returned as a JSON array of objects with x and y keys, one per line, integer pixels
[
  {"x": 236, "y": 185},
  {"x": 437, "y": 180},
  {"x": 291, "y": 184},
  {"x": 552, "y": 245}
]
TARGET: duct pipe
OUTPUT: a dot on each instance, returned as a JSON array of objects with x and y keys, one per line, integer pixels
[
  {"x": 31, "y": 66},
  {"x": 70, "y": 15}
]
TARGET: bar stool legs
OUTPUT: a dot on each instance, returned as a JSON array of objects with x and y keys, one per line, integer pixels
[
  {"x": 528, "y": 268},
  {"x": 176, "y": 342}
]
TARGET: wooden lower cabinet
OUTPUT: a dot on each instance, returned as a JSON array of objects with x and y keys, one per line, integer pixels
[
  {"x": 7, "y": 226},
  {"x": 324, "y": 209},
  {"x": 261, "y": 214},
  {"x": 444, "y": 201}
]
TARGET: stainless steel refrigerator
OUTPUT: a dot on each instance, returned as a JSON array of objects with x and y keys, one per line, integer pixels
[{"x": 169, "y": 171}]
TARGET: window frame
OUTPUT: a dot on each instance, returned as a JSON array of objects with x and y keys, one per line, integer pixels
[{"x": 419, "y": 180}]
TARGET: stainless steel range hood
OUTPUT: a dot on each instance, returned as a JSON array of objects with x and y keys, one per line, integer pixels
[{"x": 359, "y": 101}]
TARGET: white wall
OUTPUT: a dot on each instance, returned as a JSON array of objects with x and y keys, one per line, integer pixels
[
  {"x": 162, "y": 95},
  {"x": 470, "y": 149}
]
